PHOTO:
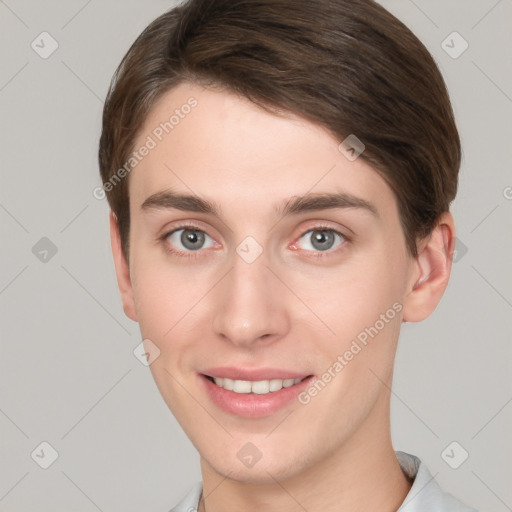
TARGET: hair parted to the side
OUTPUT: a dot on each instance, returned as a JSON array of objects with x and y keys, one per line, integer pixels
[{"x": 348, "y": 65}]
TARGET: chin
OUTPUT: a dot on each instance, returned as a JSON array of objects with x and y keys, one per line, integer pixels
[{"x": 264, "y": 470}]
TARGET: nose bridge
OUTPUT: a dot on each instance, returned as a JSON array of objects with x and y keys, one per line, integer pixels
[{"x": 247, "y": 302}]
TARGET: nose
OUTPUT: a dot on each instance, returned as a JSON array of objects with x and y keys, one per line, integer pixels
[{"x": 250, "y": 305}]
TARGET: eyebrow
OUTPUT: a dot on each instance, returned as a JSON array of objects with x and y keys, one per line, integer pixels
[{"x": 295, "y": 205}]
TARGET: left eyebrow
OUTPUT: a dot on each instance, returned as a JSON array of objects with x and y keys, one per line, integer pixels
[
  {"x": 296, "y": 205},
  {"x": 324, "y": 201}
]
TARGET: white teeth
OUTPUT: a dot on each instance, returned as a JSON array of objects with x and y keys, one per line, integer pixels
[
  {"x": 259, "y": 387},
  {"x": 275, "y": 384},
  {"x": 228, "y": 384},
  {"x": 242, "y": 386}
]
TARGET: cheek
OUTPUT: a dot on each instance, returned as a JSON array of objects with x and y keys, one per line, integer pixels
[
  {"x": 363, "y": 309},
  {"x": 169, "y": 299},
  {"x": 157, "y": 295},
  {"x": 361, "y": 305},
  {"x": 352, "y": 296}
]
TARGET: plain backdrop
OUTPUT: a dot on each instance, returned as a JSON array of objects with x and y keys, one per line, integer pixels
[{"x": 68, "y": 375}]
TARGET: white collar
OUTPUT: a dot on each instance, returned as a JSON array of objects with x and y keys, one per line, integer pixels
[{"x": 425, "y": 494}]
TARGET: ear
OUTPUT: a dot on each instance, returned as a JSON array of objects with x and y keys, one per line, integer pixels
[
  {"x": 122, "y": 270},
  {"x": 431, "y": 271}
]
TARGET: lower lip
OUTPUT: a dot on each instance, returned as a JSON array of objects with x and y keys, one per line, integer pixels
[{"x": 252, "y": 405}]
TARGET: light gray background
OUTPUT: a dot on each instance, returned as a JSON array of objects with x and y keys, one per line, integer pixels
[{"x": 68, "y": 375}]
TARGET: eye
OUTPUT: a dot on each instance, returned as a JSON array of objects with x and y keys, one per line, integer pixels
[
  {"x": 321, "y": 240},
  {"x": 190, "y": 239}
]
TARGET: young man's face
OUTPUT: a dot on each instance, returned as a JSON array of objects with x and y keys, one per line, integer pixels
[{"x": 258, "y": 286}]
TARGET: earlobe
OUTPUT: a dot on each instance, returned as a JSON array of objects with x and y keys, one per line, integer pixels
[
  {"x": 432, "y": 268},
  {"x": 122, "y": 270}
]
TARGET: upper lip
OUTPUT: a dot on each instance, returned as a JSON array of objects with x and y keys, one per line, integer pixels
[{"x": 253, "y": 374}]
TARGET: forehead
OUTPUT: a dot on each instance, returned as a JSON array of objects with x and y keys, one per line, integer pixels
[{"x": 221, "y": 146}]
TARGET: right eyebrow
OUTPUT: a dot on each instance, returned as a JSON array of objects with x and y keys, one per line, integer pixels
[{"x": 167, "y": 199}]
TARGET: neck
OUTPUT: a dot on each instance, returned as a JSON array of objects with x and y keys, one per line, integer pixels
[{"x": 363, "y": 474}]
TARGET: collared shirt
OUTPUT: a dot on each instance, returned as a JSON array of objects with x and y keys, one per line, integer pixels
[{"x": 425, "y": 494}]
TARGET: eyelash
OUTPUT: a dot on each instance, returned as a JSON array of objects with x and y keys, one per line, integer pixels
[{"x": 197, "y": 254}]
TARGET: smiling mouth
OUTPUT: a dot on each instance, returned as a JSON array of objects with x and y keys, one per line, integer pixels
[{"x": 259, "y": 387}]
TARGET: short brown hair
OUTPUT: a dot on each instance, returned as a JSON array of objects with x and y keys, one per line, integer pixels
[{"x": 348, "y": 65}]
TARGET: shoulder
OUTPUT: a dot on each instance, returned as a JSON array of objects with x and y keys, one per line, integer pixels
[
  {"x": 426, "y": 495},
  {"x": 190, "y": 502}
]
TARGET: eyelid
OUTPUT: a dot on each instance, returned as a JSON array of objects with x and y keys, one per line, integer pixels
[
  {"x": 195, "y": 225},
  {"x": 323, "y": 227},
  {"x": 167, "y": 232},
  {"x": 198, "y": 225}
]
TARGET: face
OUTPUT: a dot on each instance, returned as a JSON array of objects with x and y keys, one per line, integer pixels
[{"x": 260, "y": 253}]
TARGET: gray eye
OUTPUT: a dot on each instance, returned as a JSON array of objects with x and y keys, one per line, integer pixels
[
  {"x": 190, "y": 239},
  {"x": 321, "y": 239}
]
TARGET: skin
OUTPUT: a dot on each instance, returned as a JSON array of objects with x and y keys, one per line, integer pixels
[{"x": 287, "y": 309}]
